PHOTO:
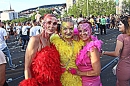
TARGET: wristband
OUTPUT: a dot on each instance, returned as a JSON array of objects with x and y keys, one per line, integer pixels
[
  {"x": 73, "y": 71},
  {"x": 103, "y": 52}
]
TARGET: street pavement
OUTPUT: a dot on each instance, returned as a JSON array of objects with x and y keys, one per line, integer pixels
[{"x": 13, "y": 77}]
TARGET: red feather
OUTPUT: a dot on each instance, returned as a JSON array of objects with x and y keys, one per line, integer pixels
[{"x": 46, "y": 68}]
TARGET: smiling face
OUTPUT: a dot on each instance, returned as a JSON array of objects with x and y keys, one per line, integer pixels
[
  {"x": 84, "y": 31},
  {"x": 121, "y": 27},
  {"x": 50, "y": 24},
  {"x": 67, "y": 30}
]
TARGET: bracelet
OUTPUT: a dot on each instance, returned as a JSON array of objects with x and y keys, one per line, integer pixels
[{"x": 103, "y": 52}]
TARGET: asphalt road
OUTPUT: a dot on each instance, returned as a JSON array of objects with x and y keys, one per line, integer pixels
[{"x": 13, "y": 77}]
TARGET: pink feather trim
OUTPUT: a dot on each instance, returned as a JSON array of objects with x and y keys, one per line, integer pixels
[{"x": 82, "y": 55}]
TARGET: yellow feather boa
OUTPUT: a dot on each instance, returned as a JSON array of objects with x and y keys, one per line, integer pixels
[{"x": 68, "y": 54}]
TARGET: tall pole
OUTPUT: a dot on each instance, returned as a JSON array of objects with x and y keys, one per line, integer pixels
[
  {"x": 117, "y": 6},
  {"x": 87, "y": 8}
]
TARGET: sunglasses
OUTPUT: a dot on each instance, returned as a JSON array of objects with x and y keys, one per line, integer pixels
[
  {"x": 50, "y": 22},
  {"x": 126, "y": 20}
]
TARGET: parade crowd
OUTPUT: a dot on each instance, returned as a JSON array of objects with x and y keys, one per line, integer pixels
[{"x": 66, "y": 51}]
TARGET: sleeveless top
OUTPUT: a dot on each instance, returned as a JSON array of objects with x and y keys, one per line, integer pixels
[{"x": 83, "y": 61}]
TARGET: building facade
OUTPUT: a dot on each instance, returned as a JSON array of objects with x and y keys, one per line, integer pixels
[
  {"x": 8, "y": 15},
  {"x": 69, "y": 3}
]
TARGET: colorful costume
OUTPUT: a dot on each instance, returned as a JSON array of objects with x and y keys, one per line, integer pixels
[
  {"x": 68, "y": 56},
  {"x": 45, "y": 68},
  {"x": 83, "y": 62}
]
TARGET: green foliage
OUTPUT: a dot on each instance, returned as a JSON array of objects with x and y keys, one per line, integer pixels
[
  {"x": 23, "y": 19},
  {"x": 33, "y": 16},
  {"x": 65, "y": 14},
  {"x": 44, "y": 11},
  {"x": 126, "y": 6},
  {"x": 95, "y": 7}
]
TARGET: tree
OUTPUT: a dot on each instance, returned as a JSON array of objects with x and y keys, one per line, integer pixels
[
  {"x": 45, "y": 11},
  {"x": 24, "y": 19},
  {"x": 95, "y": 7},
  {"x": 33, "y": 16},
  {"x": 126, "y": 6}
]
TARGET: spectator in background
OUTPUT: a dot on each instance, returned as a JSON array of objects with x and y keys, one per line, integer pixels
[
  {"x": 103, "y": 25},
  {"x": 80, "y": 18},
  {"x": 122, "y": 51},
  {"x": 113, "y": 21},
  {"x": 3, "y": 45},
  {"x": 37, "y": 17},
  {"x": 25, "y": 36},
  {"x": 93, "y": 23},
  {"x": 19, "y": 33},
  {"x": 14, "y": 30},
  {"x": 35, "y": 30},
  {"x": 2, "y": 69},
  {"x": 8, "y": 29},
  {"x": 98, "y": 24},
  {"x": 107, "y": 22}
]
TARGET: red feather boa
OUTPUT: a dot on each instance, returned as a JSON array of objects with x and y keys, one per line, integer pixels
[{"x": 45, "y": 68}]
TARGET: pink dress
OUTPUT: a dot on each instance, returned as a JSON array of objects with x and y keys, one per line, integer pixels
[
  {"x": 83, "y": 63},
  {"x": 123, "y": 67}
]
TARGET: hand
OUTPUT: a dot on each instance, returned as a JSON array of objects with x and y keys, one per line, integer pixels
[
  {"x": 63, "y": 70},
  {"x": 73, "y": 71},
  {"x": 62, "y": 65},
  {"x": 102, "y": 53}
]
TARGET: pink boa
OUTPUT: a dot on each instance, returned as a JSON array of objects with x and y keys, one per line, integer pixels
[{"x": 82, "y": 55}]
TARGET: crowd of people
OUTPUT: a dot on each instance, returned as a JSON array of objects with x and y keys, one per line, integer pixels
[{"x": 65, "y": 54}]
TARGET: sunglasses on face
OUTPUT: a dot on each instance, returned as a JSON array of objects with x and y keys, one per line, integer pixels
[{"x": 50, "y": 22}]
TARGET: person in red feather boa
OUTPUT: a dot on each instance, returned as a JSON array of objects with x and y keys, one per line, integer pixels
[{"x": 42, "y": 60}]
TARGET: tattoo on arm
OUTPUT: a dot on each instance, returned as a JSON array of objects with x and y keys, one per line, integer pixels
[{"x": 120, "y": 51}]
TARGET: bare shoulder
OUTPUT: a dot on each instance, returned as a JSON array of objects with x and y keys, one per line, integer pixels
[
  {"x": 33, "y": 42},
  {"x": 94, "y": 49},
  {"x": 94, "y": 53}
]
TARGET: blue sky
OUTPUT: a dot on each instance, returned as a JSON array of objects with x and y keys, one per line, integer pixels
[{"x": 19, "y": 5}]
